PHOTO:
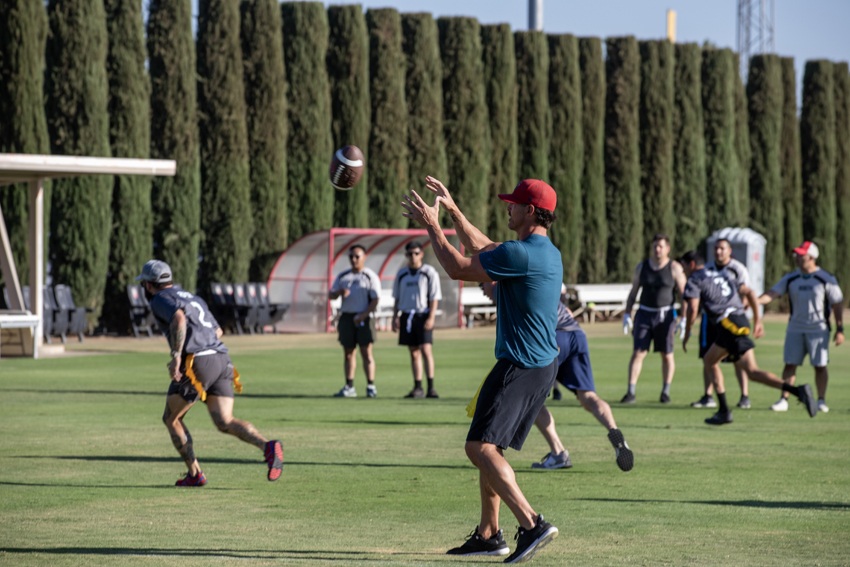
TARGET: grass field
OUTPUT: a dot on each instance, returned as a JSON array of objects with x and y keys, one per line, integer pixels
[{"x": 87, "y": 468}]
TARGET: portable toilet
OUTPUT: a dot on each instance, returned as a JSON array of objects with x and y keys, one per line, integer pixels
[{"x": 748, "y": 248}]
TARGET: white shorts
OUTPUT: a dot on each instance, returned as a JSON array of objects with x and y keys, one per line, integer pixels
[{"x": 815, "y": 344}]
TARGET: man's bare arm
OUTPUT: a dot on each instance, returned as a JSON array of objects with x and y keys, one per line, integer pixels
[
  {"x": 679, "y": 277},
  {"x": 752, "y": 299},
  {"x": 630, "y": 303},
  {"x": 691, "y": 308},
  {"x": 177, "y": 333},
  {"x": 456, "y": 266},
  {"x": 219, "y": 333},
  {"x": 472, "y": 239},
  {"x": 767, "y": 297}
]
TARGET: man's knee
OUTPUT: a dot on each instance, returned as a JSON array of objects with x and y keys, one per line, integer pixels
[
  {"x": 792, "y": 368},
  {"x": 220, "y": 422},
  {"x": 415, "y": 351},
  {"x": 639, "y": 354}
]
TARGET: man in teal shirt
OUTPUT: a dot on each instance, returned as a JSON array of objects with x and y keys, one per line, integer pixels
[{"x": 529, "y": 273}]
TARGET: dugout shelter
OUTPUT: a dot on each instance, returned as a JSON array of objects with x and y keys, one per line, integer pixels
[
  {"x": 306, "y": 271},
  {"x": 20, "y": 329}
]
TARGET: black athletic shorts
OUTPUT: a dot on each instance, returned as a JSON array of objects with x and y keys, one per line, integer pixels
[
  {"x": 417, "y": 334},
  {"x": 707, "y": 336},
  {"x": 508, "y": 404},
  {"x": 655, "y": 327},
  {"x": 734, "y": 344},
  {"x": 351, "y": 335},
  {"x": 213, "y": 371}
]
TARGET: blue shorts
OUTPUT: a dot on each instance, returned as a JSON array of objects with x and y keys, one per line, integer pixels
[{"x": 574, "y": 370}]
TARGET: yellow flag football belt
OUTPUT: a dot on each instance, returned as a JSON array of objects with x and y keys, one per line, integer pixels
[
  {"x": 733, "y": 328},
  {"x": 190, "y": 373}
]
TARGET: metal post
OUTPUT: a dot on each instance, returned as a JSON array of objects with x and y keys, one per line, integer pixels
[
  {"x": 36, "y": 243},
  {"x": 535, "y": 15},
  {"x": 671, "y": 26}
]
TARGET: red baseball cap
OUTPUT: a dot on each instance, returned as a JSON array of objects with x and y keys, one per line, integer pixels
[
  {"x": 809, "y": 248},
  {"x": 533, "y": 192}
]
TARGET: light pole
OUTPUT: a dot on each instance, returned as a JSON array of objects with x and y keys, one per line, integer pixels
[{"x": 535, "y": 15}]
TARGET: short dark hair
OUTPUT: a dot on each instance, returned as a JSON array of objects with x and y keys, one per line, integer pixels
[
  {"x": 544, "y": 217},
  {"x": 661, "y": 236},
  {"x": 726, "y": 240},
  {"x": 356, "y": 246},
  {"x": 692, "y": 256},
  {"x": 412, "y": 245}
]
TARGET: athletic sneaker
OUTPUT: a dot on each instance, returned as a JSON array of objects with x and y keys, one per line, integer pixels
[
  {"x": 551, "y": 461},
  {"x": 371, "y": 391},
  {"x": 477, "y": 545},
  {"x": 665, "y": 399},
  {"x": 822, "y": 407},
  {"x": 625, "y": 457},
  {"x": 190, "y": 480},
  {"x": 346, "y": 392},
  {"x": 529, "y": 542},
  {"x": 274, "y": 459},
  {"x": 781, "y": 405},
  {"x": 415, "y": 393},
  {"x": 807, "y": 398},
  {"x": 720, "y": 418},
  {"x": 744, "y": 402},
  {"x": 556, "y": 394},
  {"x": 628, "y": 399},
  {"x": 432, "y": 393},
  {"x": 705, "y": 402}
]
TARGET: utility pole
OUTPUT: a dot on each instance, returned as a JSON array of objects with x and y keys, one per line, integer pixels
[
  {"x": 755, "y": 30},
  {"x": 535, "y": 15},
  {"x": 671, "y": 26}
]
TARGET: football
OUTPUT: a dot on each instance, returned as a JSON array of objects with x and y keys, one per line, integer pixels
[{"x": 346, "y": 168}]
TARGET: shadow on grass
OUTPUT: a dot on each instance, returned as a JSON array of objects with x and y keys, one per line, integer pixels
[
  {"x": 375, "y": 422},
  {"x": 121, "y": 486},
  {"x": 740, "y": 503}
]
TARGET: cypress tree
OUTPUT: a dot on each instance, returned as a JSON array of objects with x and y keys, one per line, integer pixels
[
  {"x": 499, "y": 58},
  {"x": 566, "y": 158},
  {"x": 622, "y": 159},
  {"x": 78, "y": 122},
  {"x": 842, "y": 175},
  {"x": 656, "y": 138},
  {"x": 265, "y": 102},
  {"x": 23, "y": 129},
  {"x": 792, "y": 184},
  {"x": 176, "y": 201},
  {"x": 465, "y": 115},
  {"x": 817, "y": 139},
  {"x": 131, "y": 242},
  {"x": 534, "y": 119},
  {"x": 309, "y": 145},
  {"x": 764, "y": 95},
  {"x": 388, "y": 139},
  {"x": 689, "y": 202},
  {"x": 743, "y": 149},
  {"x": 348, "y": 74},
  {"x": 594, "y": 250},
  {"x": 423, "y": 90},
  {"x": 721, "y": 160}
]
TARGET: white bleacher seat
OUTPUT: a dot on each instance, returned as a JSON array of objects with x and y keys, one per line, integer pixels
[
  {"x": 607, "y": 300},
  {"x": 476, "y": 303}
]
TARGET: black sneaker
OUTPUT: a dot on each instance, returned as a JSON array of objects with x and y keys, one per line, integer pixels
[
  {"x": 477, "y": 545},
  {"x": 808, "y": 399},
  {"x": 556, "y": 394},
  {"x": 665, "y": 399},
  {"x": 416, "y": 393},
  {"x": 432, "y": 393},
  {"x": 720, "y": 418},
  {"x": 744, "y": 402},
  {"x": 529, "y": 542},
  {"x": 625, "y": 457},
  {"x": 628, "y": 399}
]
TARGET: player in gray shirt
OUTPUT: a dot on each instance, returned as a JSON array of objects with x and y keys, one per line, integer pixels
[
  {"x": 417, "y": 292},
  {"x": 812, "y": 292},
  {"x": 360, "y": 290}
]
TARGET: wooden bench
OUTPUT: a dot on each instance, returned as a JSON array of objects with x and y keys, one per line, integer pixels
[
  {"x": 25, "y": 324},
  {"x": 474, "y": 303}
]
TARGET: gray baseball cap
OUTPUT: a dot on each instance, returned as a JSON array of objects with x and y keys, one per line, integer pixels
[{"x": 155, "y": 271}]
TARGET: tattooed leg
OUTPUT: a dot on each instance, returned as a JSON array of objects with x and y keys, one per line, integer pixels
[
  {"x": 175, "y": 408},
  {"x": 221, "y": 412}
]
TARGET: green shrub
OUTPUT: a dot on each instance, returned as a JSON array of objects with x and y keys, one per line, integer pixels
[
  {"x": 792, "y": 184},
  {"x": 842, "y": 176},
  {"x": 534, "y": 119}
]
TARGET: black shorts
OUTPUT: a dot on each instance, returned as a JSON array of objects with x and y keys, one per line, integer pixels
[
  {"x": 351, "y": 335},
  {"x": 417, "y": 334},
  {"x": 734, "y": 344},
  {"x": 654, "y": 327},
  {"x": 213, "y": 371},
  {"x": 707, "y": 336},
  {"x": 508, "y": 404}
]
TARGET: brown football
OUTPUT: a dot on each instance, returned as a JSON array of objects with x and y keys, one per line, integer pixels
[{"x": 346, "y": 168}]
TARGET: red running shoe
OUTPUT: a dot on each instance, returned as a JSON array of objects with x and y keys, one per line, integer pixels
[
  {"x": 190, "y": 480},
  {"x": 274, "y": 458}
]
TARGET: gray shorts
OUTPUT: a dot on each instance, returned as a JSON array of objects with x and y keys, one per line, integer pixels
[{"x": 799, "y": 344}]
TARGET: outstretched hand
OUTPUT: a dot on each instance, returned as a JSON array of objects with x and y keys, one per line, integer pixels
[
  {"x": 418, "y": 210},
  {"x": 436, "y": 186}
]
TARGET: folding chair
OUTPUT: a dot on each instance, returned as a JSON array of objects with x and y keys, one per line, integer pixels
[
  {"x": 77, "y": 315},
  {"x": 141, "y": 316}
]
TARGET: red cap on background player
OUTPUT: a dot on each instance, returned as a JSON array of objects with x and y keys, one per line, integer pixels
[
  {"x": 533, "y": 192},
  {"x": 809, "y": 248}
]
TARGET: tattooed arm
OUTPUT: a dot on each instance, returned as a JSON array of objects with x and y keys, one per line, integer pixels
[{"x": 176, "y": 338}]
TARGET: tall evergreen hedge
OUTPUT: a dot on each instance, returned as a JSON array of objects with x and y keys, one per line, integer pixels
[
  {"x": 721, "y": 159},
  {"x": 465, "y": 123},
  {"x": 689, "y": 200},
  {"x": 497, "y": 44},
  {"x": 789, "y": 162},
  {"x": 78, "y": 121},
  {"x": 23, "y": 128},
  {"x": 131, "y": 240},
  {"x": 226, "y": 216},
  {"x": 348, "y": 75},
  {"x": 265, "y": 101},
  {"x": 388, "y": 139},
  {"x": 176, "y": 201},
  {"x": 743, "y": 149},
  {"x": 622, "y": 158},
  {"x": 309, "y": 146},
  {"x": 657, "y": 68},
  {"x": 765, "y": 97},
  {"x": 594, "y": 237},
  {"x": 566, "y": 153},
  {"x": 817, "y": 139},
  {"x": 842, "y": 175},
  {"x": 534, "y": 119}
]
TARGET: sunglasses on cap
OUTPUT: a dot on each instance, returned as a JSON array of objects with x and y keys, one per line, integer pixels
[
  {"x": 413, "y": 253},
  {"x": 355, "y": 256}
]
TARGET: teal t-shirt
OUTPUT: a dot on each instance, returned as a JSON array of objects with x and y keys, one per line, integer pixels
[{"x": 529, "y": 273}]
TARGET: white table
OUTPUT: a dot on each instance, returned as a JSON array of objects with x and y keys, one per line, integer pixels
[{"x": 21, "y": 320}]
